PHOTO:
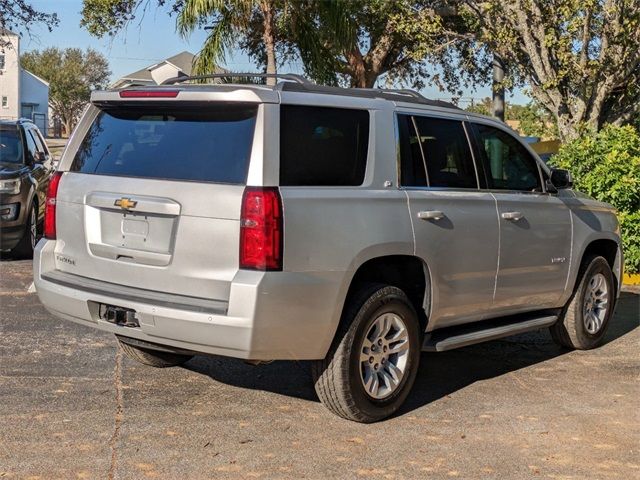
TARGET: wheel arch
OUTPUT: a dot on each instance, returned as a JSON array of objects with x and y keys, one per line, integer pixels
[
  {"x": 407, "y": 272},
  {"x": 607, "y": 247}
]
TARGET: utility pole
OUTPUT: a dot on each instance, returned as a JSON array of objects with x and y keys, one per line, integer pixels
[{"x": 498, "y": 87}]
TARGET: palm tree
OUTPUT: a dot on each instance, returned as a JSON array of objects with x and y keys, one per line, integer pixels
[{"x": 232, "y": 20}]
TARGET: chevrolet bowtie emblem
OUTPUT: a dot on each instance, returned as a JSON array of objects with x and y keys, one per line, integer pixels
[{"x": 125, "y": 203}]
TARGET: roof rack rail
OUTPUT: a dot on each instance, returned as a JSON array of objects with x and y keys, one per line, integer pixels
[
  {"x": 285, "y": 76},
  {"x": 398, "y": 91}
]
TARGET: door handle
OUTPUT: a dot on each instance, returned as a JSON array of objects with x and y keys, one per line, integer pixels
[
  {"x": 513, "y": 216},
  {"x": 430, "y": 215}
]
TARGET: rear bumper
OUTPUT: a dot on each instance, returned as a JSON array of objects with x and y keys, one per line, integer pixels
[{"x": 269, "y": 316}]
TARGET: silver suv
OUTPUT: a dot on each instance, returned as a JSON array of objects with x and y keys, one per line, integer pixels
[{"x": 354, "y": 228}]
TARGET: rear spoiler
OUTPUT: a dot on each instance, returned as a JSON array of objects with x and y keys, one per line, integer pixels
[{"x": 191, "y": 94}]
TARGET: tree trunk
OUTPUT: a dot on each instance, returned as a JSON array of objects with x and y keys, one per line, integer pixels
[
  {"x": 269, "y": 40},
  {"x": 498, "y": 88}
]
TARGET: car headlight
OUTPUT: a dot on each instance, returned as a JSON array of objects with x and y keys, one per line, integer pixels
[{"x": 10, "y": 186}]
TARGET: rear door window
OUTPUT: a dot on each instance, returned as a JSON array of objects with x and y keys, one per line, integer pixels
[
  {"x": 211, "y": 144},
  {"x": 412, "y": 166},
  {"x": 435, "y": 152},
  {"x": 446, "y": 152},
  {"x": 322, "y": 146}
]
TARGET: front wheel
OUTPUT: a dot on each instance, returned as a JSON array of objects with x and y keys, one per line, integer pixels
[
  {"x": 586, "y": 317},
  {"x": 30, "y": 238},
  {"x": 373, "y": 361}
]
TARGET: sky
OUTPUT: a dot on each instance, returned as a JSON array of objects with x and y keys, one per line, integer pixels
[{"x": 152, "y": 37}]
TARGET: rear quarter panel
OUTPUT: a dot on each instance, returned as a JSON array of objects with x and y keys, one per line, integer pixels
[{"x": 331, "y": 231}]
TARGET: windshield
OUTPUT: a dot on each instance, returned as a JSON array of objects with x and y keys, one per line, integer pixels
[
  {"x": 211, "y": 144},
  {"x": 10, "y": 144}
]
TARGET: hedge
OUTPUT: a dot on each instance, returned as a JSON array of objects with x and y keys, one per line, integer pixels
[{"x": 606, "y": 166}]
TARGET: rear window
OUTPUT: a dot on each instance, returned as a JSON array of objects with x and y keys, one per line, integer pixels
[
  {"x": 10, "y": 144},
  {"x": 211, "y": 144},
  {"x": 322, "y": 146}
]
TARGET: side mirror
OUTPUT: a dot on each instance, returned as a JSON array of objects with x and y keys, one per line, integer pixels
[
  {"x": 561, "y": 179},
  {"x": 40, "y": 157}
]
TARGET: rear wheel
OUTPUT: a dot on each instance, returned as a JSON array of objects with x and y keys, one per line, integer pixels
[
  {"x": 586, "y": 318},
  {"x": 25, "y": 248},
  {"x": 373, "y": 361},
  {"x": 153, "y": 358}
]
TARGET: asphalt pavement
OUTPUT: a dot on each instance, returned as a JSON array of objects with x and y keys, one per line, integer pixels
[{"x": 72, "y": 407}]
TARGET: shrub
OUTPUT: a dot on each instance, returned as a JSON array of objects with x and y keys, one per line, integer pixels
[{"x": 606, "y": 166}]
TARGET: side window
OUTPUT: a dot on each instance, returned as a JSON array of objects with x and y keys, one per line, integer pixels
[
  {"x": 508, "y": 164},
  {"x": 37, "y": 140},
  {"x": 31, "y": 145},
  {"x": 412, "y": 168},
  {"x": 447, "y": 153},
  {"x": 41, "y": 141},
  {"x": 322, "y": 146}
]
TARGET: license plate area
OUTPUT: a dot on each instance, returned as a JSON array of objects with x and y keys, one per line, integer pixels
[{"x": 121, "y": 316}]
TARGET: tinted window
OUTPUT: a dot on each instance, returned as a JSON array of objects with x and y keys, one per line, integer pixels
[
  {"x": 211, "y": 145},
  {"x": 323, "y": 146},
  {"x": 42, "y": 145},
  {"x": 10, "y": 144},
  {"x": 447, "y": 154},
  {"x": 412, "y": 168},
  {"x": 508, "y": 164},
  {"x": 31, "y": 145},
  {"x": 36, "y": 140},
  {"x": 437, "y": 147}
]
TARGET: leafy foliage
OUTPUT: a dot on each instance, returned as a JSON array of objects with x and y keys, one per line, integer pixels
[
  {"x": 20, "y": 14},
  {"x": 354, "y": 43},
  {"x": 581, "y": 58},
  {"x": 534, "y": 121},
  {"x": 606, "y": 165},
  {"x": 71, "y": 74},
  {"x": 108, "y": 17}
]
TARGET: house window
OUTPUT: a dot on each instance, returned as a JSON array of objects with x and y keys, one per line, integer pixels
[
  {"x": 1, "y": 62},
  {"x": 5, "y": 102}
]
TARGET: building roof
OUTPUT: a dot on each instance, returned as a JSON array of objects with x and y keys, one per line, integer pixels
[
  {"x": 35, "y": 76},
  {"x": 8, "y": 33},
  {"x": 183, "y": 61}
]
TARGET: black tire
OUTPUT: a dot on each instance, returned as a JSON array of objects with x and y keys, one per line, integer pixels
[
  {"x": 570, "y": 330},
  {"x": 153, "y": 358},
  {"x": 337, "y": 378},
  {"x": 25, "y": 247}
]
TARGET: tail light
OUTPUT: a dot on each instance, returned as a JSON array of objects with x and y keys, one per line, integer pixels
[
  {"x": 149, "y": 94},
  {"x": 50, "y": 207},
  {"x": 261, "y": 230}
]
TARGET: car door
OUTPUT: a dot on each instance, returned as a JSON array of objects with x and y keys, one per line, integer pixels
[
  {"x": 535, "y": 226},
  {"x": 455, "y": 223},
  {"x": 41, "y": 170}
]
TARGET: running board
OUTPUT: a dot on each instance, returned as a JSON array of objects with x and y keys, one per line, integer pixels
[{"x": 461, "y": 336}]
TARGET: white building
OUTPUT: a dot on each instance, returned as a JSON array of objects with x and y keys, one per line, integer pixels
[{"x": 22, "y": 94}]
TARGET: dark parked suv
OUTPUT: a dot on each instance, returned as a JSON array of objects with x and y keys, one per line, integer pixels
[{"x": 25, "y": 169}]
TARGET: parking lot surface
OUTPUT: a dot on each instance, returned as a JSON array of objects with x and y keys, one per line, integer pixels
[{"x": 73, "y": 407}]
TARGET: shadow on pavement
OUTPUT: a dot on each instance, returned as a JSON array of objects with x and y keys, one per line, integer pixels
[{"x": 440, "y": 374}]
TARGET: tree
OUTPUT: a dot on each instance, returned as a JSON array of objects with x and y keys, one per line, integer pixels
[
  {"x": 233, "y": 22},
  {"x": 71, "y": 74},
  {"x": 20, "y": 15},
  {"x": 338, "y": 41},
  {"x": 580, "y": 58},
  {"x": 533, "y": 120},
  {"x": 373, "y": 38}
]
